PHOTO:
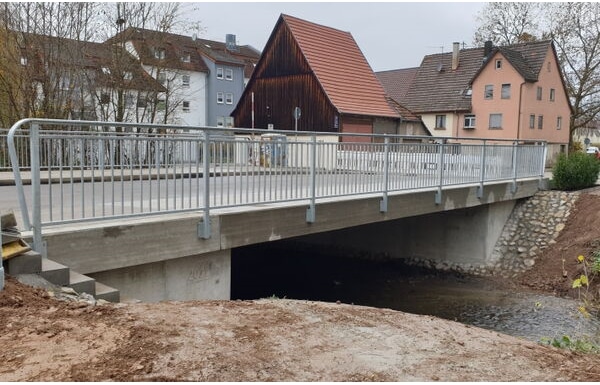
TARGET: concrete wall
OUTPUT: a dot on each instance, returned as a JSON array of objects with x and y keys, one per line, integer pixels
[
  {"x": 462, "y": 237},
  {"x": 206, "y": 276}
]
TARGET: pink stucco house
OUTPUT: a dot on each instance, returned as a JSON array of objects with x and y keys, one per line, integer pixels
[{"x": 510, "y": 92}]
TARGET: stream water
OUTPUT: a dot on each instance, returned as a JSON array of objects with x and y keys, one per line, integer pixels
[{"x": 258, "y": 273}]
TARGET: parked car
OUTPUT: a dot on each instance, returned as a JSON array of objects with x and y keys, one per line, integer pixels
[{"x": 592, "y": 150}]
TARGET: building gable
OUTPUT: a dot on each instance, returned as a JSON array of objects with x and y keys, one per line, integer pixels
[{"x": 317, "y": 68}]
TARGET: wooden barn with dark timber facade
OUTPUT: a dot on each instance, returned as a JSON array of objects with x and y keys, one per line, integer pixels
[{"x": 322, "y": 71}]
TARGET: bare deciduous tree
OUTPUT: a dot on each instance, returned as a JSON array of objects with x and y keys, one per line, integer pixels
[
  {"x": 506, "y": 23},
  {"x": 575, "y": 30}
]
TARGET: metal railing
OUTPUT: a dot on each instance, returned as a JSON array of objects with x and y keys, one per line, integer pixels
[{"x": 83, "y": 170}]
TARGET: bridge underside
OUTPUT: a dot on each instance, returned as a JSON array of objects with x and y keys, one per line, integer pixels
[{"x": 162, "y": 258}]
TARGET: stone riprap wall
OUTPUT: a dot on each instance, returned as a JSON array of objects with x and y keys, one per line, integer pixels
[{"x": 533, "y": 226}]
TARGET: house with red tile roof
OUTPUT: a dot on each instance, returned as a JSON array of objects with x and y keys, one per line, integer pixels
[
  {"x": 204, "y": 78},
  {"x": 83, "y": 80},
  {"x": 510, "y": 92},
  {"x": 322, "y": 71}
]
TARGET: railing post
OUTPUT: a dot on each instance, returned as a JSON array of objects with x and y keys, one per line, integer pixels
[
  {"x": 204, "y": 226},
  {"x": 310, "y": 211},
  {"x": 383, "y": 205},
  {"x": 34, "y": 142},
  {"x": 438, "y": 194},
  {"x": 482, "y": 179},
  {"x": 14, "y": 160},
  {"x": 513, "y": 188},
  {"x": 543, "y": 165}
]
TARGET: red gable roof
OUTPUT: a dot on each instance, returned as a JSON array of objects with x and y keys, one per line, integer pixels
[{"x": 341, "y": 68}]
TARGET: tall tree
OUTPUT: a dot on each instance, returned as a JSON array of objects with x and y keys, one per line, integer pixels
[
  {"x": 575, "y": 29},
  {"x": 506, "y": 23},
  {"x": 39, "y": 60}
]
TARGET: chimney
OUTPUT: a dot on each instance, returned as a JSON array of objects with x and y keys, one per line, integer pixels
[
  {"x": 230, "y": 42},
  {"x": 487, "y": 48},
  {"x": 455, "y": 55}
]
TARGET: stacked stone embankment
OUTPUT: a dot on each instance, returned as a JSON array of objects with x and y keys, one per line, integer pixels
[{"x": 534, "y": 225}]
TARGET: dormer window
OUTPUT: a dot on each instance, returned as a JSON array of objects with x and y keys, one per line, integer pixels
[
  {"x": 106, "y": 70},
  {"x": 159, "y": 53},
  {"x": 23, "y": 61},
  {"x": 127, "y": 75},
  {"x": 186, "y": 58}
]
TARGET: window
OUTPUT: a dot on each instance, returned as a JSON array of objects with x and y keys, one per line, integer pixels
[
  {"x": 440, "y": 122},
  {"x": 548, "y": 66},
  {"x": 505, "y": 92},
  {"x": 531, "y": 121},
  {"x": 106, "y": 70},
  {"x": 552, "y": 94},
  {"x": 489, "y": 92},
  {"x": 495, "y": 121},
  {"x": 220, "y": 121},
  {"x": 142, "y": 102},
  {"x": 228, "y": 121},
  {"x": 129, "y": 100},
  {"x": 185, "y": 80},
  {"x": 104, "y": 98},
  {"x": 127, "y": 75},
  {"x": 161, "y": 105},
  {"x": 186, "y": 106},
  {"x": 65, "y": 82},
  {"x": 498, "y": 64},
  {"x": 559, "y": 122},
  {"x": 229, "y": 74},
  {"x": 539, "y": 93},
  {"x": 186, "y": 58},
  {"x": 229, "y": 98},
  {"x": 159, "y": 53},
  {"x": 540, "y": 122},
  {"x": 23, "y": 61},
  {"x": 220, "y": 98},
  {"x": 162, "y": 78},
  {"x": 219, "y": 73},
  {"x": 469, "y": 121}
]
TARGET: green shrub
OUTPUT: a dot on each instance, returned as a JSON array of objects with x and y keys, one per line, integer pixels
[{"x": 576, "y": 171}]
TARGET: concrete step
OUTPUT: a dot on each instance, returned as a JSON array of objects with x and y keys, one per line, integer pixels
[
  {"x": 55, "y": 272},
  {"x": 26, "y": 263},
  {"x": 82, "y": 283},
  {"x": 107, "y": 293}
]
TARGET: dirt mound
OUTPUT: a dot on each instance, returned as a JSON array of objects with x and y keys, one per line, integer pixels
[
  {"x": 268, "y": 340},
  {"x": 556, "y": 269}
]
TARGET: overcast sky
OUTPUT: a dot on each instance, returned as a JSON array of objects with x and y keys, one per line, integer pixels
[{"x": 391, "y": 35}]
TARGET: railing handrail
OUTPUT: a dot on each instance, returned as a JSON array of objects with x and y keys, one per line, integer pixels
[{"x": 383, "y": 154}]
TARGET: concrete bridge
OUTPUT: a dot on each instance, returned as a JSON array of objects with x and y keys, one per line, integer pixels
[{"x": 156, "y": 210}]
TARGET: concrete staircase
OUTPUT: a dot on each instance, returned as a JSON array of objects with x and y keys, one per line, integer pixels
[{"x": 32, "y": 262}]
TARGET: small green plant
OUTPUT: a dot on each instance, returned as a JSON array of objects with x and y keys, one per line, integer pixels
[
  {"x": 596, "y": 262},
  {"x": 578, "y": 345},
  {"x": 576, "y": 171}
]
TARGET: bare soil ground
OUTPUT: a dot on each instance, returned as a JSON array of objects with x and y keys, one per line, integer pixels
[
  {"x": 44, "y": 339},
  {"x": 558, "y": 266}
]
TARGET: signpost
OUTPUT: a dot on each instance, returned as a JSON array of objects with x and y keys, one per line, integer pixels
[{"x": 297, "y": 113}]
